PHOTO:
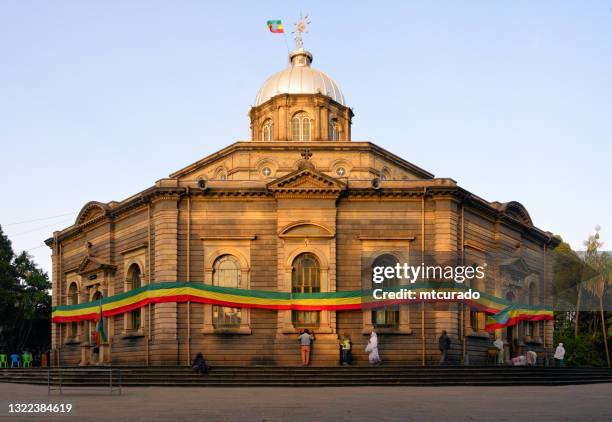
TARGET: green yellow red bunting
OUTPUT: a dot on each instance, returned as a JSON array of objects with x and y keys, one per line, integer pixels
[{"x": 344, "y": 300}]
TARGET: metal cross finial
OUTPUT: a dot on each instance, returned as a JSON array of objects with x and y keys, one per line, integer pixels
[
  {"x": 300, "y": 28},
  {"x": 306, "y": 154}
]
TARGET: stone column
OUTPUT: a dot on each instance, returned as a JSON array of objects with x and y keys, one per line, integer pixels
[
  {"x": 55, "y": 295},
  {"x": 165, "y": 223},
  {"x": 444, "y": 242}
]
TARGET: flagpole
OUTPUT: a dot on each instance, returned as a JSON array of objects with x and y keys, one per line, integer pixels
[{"x": 286, "y": 42}]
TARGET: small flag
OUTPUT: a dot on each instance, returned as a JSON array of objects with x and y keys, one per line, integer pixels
[
  {"x": 505, "y": 318},
  {"x": 276, "y": 27},
  {"x": 100, "y": 334}
]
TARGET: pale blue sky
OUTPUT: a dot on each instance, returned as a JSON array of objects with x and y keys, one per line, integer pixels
[{"x": 513, "y": 99}]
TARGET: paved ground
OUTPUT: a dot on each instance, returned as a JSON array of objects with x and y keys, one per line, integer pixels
[{"x": 579, "y": 403}]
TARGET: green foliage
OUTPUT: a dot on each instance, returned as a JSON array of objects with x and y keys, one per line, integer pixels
[
  {"x": 581, "y": 284},
  {"x": 583, "y": 350},
  {"x": 25, "y": 302}
]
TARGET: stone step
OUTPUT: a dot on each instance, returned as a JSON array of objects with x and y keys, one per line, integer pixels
[{"x": 312, "y": 376}]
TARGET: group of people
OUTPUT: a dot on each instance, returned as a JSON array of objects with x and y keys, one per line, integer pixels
[
  {"x": 306, "y": 339},
  {"x": 530, "y": 358}
]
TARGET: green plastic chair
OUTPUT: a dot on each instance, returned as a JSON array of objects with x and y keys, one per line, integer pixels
[
  {"x": 26, "y": 359},
  {"x": 3, "y": 361}
]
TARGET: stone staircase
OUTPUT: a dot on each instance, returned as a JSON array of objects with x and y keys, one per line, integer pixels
[{"x": 269, "y": 376}]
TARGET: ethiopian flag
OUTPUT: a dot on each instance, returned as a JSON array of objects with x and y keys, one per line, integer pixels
[
  {"x": 100, "y": 334},
  {"x": 276, "y": 27},
  {"x": 501, "y": 319},
  {"x": 512, "y": 314}
]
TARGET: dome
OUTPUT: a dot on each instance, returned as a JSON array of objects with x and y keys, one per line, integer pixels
[{"x": 299, "y": 78}]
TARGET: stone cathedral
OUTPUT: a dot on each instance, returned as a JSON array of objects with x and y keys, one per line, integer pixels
[{"x": 299, "y": 208}]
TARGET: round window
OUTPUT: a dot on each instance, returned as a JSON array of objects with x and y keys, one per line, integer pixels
[
  {"x": 340, "y": 171},
  {"x": 266, "y": 171}
]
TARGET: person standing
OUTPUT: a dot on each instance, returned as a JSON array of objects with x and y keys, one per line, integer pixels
[
  {"x": 372, "y": 350},
  {"x": 559, "y": 355},
  {"x": 444, "y": 344},
  {"x": 499, "y": 345},
  {"x": 345, "y": 350},
  {"x": 305, "y": 340}
]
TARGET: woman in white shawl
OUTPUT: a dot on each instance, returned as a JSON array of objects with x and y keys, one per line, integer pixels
[{"x": 372, "y": 349}]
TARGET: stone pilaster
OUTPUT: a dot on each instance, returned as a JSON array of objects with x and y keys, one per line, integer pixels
[{"x": 165, "y": 223}]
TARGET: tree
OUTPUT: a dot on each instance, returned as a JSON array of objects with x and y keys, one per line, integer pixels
[
  {"x": 597, "y": 285},
  {"x": 25, "y": 302},
  {"x": 577, "y": 308}
]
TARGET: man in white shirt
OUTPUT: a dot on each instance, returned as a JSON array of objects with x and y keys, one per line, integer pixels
[
  {"x": 499, "y": 345},
  {"x": 559, "y": 355}
]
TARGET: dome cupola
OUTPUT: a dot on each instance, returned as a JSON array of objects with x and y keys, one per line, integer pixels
[
  {"x": 300, "y": 103},
  {"x": 299, "y": 78}
]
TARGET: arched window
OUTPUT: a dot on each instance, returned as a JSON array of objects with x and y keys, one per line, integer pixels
[
  {"x": 387, "y": 316},
  {"x": 300, "y": 127},
  {"x": 134, "y": 281},
  {"x": 73, "y": 294},
  {"x": 306, "y": 278},
  {"x": 221, "y": 174},
  {"x": 266, "y": 130},
  {"x": 134, "y": 277},
  {"x": 226, "y": 273},
  {"x": 334, "y": 130},
  {"x": 73, "y": 299}
]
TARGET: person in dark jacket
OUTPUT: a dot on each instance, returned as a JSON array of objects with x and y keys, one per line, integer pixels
[
  {"x": 346, "y": 356},
  {"x": 199, "y": 364},
  {"x": 444, "y": 344}
]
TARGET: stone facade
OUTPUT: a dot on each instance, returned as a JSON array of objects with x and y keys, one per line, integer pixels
[{"x": 246, "y": 213}]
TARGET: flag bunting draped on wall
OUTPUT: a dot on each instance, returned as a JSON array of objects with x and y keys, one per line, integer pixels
[{"x": 344, "y": 300}]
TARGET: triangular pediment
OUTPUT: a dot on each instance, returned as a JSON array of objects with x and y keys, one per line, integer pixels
[
  {"x": 90, "y": 264},
  {"x": 516, "y": 266},
  {"x": 306, "y": 181}
]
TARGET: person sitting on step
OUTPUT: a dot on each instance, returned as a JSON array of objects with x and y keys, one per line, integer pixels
[{"x": 199, "y": 364}]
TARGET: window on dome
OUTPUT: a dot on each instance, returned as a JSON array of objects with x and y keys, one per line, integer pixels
[
  {"x": 334, "y": 131},
  {"x": 266, "y": 131},
  {"x": 300, "y": 127}
]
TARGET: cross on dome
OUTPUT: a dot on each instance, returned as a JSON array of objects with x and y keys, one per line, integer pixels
[{"x": 300, "y": 28}]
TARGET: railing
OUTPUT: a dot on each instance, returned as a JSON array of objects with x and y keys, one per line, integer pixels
[{"x": 56, "y": 379}]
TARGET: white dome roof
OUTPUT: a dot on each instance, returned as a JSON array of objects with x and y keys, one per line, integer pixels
[{"x": 299, "y": 78}]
